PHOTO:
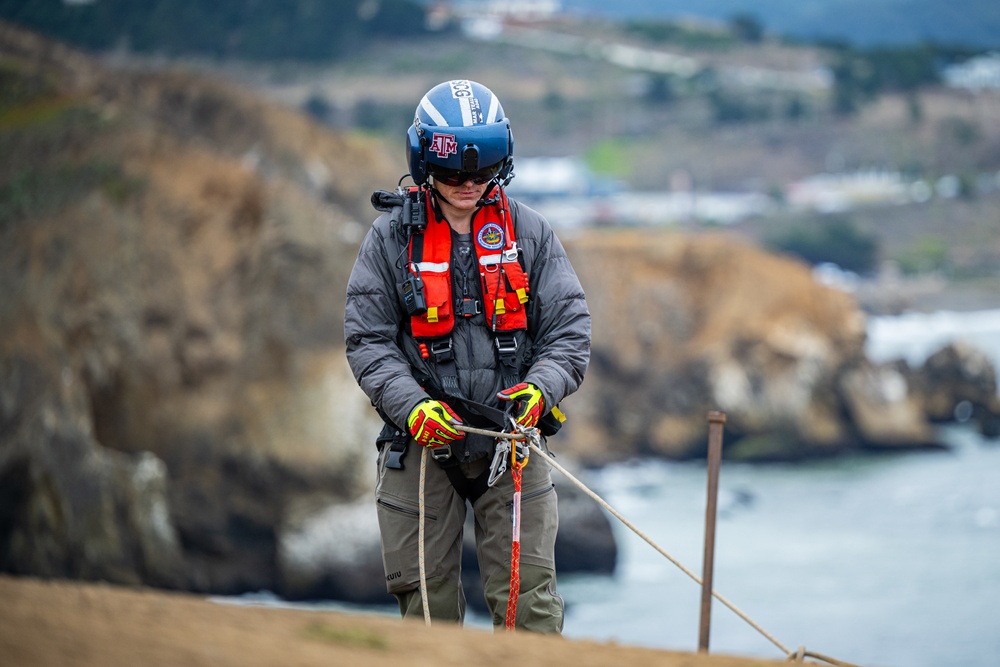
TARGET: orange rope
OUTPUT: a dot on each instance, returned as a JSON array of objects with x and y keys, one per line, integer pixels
[{"x": 516, "y": 469}]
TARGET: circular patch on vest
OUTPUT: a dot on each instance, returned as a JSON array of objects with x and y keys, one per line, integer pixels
[{"x": 490, "y": 236}]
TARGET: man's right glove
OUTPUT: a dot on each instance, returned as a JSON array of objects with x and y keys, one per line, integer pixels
[{"x": 432, "y": 424}]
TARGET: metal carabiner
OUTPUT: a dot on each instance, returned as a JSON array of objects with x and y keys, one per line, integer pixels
[
  {"x": 499, "y": 465},
  {"x": 522, "y": 447}
]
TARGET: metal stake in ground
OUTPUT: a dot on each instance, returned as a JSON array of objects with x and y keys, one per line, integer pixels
[{"x": 715, "y": 422}]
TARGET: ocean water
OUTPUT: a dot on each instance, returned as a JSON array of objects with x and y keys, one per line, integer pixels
[
  {"x": 914, "y": 336},
  {"x": 891, "y": 560},
  {"x": 884, "y": 561}
]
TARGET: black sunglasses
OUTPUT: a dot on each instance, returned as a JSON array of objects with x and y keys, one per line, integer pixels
[{"x": 453, "y": 177}]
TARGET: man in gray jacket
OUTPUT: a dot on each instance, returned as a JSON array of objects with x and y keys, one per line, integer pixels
[{"x": 463, "y": 305}]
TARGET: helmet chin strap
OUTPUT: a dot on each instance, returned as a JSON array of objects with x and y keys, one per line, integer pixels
[{"x": 486, "y": 199}]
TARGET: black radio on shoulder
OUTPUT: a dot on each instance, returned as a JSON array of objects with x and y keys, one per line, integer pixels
[
  {"x": 415, "y": 210},
  {"x": 413, "y": 295}
]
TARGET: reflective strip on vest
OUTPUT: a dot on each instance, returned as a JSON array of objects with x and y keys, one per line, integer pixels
[{"x": 431, "y": 267}]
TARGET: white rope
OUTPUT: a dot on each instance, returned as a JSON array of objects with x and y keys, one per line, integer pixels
[
  {"x": 790, "y": 655},
  {"x": 420, "y": 537},
  {"x": 600, "y": 501}
]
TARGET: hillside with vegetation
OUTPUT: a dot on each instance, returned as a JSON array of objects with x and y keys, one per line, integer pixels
[
  {"x": 297, "y": 30},
  {"x": 848, "y": 112}
]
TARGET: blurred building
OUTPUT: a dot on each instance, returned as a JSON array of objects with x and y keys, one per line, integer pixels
[{"x": 975, "y": 74}]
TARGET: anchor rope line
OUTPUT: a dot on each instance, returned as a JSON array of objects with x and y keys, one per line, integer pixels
[
  {"x": 420, "y": 538},
  {"x": 548, "y": 459},
  {"x": 790, "y": 655}
]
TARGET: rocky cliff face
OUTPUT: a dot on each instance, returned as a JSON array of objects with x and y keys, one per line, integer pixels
[
  {"x": 175, "y": 406},
  {"x": 174, "y": 255},
  {"x": 687, "y": 324}
]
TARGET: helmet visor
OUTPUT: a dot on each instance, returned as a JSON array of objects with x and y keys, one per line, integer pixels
[{"x": 453, "y": 177}]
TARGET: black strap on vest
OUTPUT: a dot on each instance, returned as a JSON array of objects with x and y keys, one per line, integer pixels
[
  {"x": 508, "y": 356},
  {"x": 480, "y": 416}
]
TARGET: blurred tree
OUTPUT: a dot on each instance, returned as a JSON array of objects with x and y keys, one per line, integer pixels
[
  {"x": 929, "y": 253},
  {"x": 318, "y": 107},
  {"x": 554, "y": 98},
  {"x": 660, "y": 90},
  {"x": 747, "y": 28},
  {"x": 678, "y": 33},
  {"x": 310, "y": 30},
  {"x": 795, "y": 108},
  {"x": 914, "y": 108},
  {"x": 732, "y": 108},
  {"x": 837, "y": 240},
  {"x": 861, "y": 75}
]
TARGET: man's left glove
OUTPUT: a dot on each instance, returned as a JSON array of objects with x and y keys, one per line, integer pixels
[{"x": 531, "y": 403}]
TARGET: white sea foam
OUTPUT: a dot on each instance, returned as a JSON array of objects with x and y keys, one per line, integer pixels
[{"x": 915, "y": 336}]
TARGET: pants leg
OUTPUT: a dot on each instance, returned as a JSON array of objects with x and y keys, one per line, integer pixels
[
  {"x": 397, "y": 503},
  {"x": 539, "y": 606}
]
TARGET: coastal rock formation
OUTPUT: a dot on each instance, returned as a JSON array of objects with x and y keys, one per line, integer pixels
[
  {"x": 883, "y": 408},
  {"x": 689, "y": 324},
  {"x": 960, "y": 382},
  {"x": 69, "y": 507},
  {"x": 175, "y": 405}
]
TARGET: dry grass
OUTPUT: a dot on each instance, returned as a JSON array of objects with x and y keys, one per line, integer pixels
[{"x": 87, "y": 625}]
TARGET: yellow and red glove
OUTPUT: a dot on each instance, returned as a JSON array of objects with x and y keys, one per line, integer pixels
[
  {"x": 432, "y": 424},
  {"x": 531, "y": 403}
]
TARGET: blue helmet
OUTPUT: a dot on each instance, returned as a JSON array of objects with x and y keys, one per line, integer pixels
[{"x": 460, "y": 127}]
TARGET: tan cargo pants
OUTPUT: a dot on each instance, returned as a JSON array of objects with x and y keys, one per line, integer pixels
[{"x": 539, "y": 607}]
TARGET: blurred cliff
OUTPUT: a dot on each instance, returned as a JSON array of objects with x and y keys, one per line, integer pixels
[
  {"x": 175, "y": 407},
  {"x": 174, "y": 260}
]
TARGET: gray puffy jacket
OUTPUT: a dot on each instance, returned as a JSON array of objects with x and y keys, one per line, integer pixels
[{"x": 385, "y": 358}]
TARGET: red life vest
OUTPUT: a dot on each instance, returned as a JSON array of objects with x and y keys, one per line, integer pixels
[{"x": 503, "y": 282}]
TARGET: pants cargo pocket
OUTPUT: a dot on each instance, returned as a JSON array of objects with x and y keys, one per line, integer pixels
[{"x": 398, "y": 522}]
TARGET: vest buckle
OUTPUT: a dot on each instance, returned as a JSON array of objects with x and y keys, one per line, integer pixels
[
  {"x": 506, "y": 343},
  {"x": 441, "y": 453},
  {"x": 441, "y": 349},
  {"x": 469, "y": 308}
]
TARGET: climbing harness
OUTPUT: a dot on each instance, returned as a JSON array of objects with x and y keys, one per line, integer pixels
[
  {"x": 426, "y": 288},
  {"x": 533, "y": 444}
]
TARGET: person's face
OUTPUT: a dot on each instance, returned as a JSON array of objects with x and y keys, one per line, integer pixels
[{"x": 462, "y": 197}]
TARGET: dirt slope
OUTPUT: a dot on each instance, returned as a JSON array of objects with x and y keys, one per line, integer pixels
[{"x": 57, "y": 623}]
